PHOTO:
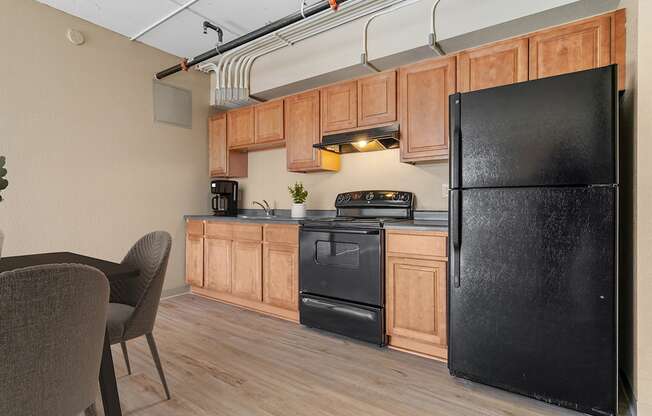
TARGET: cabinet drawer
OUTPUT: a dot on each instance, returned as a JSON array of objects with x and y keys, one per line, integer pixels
[
  {"x": 416, "y": 243},
  {"x": 219, "y": 229},
  {"x": 247, "y": 232},
  {"x": 195, "y": 227},
  {"x": 286, "y": 234}
]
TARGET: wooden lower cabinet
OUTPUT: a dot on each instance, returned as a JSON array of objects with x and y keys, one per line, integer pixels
[
  {"x": 217, "y": 264},
  {"x": 416, "y": 294},
  {"x": 249, "y": 265},
  {"x": 281, "y": 275},
  {"x": 246, "y": 281},
  {"x": 195, "y": 253}
]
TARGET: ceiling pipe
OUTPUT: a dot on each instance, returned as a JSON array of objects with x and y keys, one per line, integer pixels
[
  {"x": 432, "y": 38},
  {"x": 234, "y": 67},
  {"x": 164, "y": 19},
  {"x": 242, "y": 40},
  {"x": 364, "y": 10},
  {"x": 364, "y": 57}
]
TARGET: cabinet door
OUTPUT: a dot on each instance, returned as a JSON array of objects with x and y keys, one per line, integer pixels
[
  {"x": 281, "y": 275},
  {"x": 246, "y": 274},
  {"x": 339, "y": 107},
  {"x": 491, "y": 66},
  {"x": 377, "y": 99},
  {"x": 416, "y": 304},
  {"x": 302, "y": 131},
  {"x": 424, "y": 90},
  {"x": 217, "y": 264},
  {"x": 570, "y": 48},
  {"x": 240, "y": 127},
  {"x": 217, "y": 149},
  {"x": 195, "y": 260},
  {"x": 269, "y": 122}
]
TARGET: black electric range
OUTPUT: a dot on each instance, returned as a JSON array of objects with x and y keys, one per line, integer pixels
[{"x": 341, "y": 268}]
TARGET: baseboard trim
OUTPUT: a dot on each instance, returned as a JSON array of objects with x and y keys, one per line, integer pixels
[
  {"x": 629, "y": 394},
  {"x": 176, "y": 291}
]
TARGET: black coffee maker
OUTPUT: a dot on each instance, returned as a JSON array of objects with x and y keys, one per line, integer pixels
[{"x": 225, "y": 199}]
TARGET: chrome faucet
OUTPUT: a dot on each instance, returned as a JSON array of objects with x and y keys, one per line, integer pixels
[{"x": 269, "y": 212}]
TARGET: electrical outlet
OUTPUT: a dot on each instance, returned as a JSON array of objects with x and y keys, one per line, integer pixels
[{"x": 444, "y": 190}]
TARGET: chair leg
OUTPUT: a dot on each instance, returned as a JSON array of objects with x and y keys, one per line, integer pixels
[
  {"x": 157, "y": 361},
  {"x": 126, "y": 355},
  {"x": 90, "y": 410}
]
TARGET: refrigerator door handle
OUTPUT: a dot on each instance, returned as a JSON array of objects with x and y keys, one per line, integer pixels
[
  {"x": 456, "y": 234},
  {"x": 455, "y": 156}
]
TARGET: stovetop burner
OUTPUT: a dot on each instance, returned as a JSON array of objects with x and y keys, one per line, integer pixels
[{"x": 370, "y": 209}]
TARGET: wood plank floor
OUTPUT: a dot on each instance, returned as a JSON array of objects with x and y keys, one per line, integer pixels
[{"x": 222, "y": 360}]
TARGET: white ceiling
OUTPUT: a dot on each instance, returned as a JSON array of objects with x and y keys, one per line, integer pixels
[{"x": 182, "y": 35}]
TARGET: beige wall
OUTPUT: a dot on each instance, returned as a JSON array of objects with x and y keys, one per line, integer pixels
[
  {"x": 89, "y": 170},
  {"x": 268, "y": 179}
]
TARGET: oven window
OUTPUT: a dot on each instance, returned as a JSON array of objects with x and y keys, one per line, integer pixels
[{"x": 334, "y": 253}]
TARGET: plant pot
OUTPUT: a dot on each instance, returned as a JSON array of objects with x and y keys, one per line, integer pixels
[{"x": 298, "y": 210}]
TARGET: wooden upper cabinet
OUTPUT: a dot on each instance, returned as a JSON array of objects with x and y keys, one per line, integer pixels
[
  {"x": 217, "y": 148},
  {"x": 498, "y": 64},
  {"x": 222, "y": 162},
  {"x": 339, "y": 107},
  {"x": 574, "y": 47},
  {"x": 302, "y": 130},
  {"x": 424, "y": 89},
  {"x": 377, "y": 99},
  {"x": 240, "y": 127},
  {"x": 268, "y": 123}
]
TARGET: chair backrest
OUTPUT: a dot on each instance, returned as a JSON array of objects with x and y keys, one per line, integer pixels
[
  {"x": 150, "y": 256},
  {"x": 52, "y": 326}
]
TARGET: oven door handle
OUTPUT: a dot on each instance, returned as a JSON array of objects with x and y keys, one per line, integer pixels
[{"x": 338, "y": 231}]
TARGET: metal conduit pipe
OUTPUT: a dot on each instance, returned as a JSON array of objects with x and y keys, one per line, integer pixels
[
  {"x": 364, "y": 57},
  {"x": 298, "y": 36},
  {"x": 242, "y": 40},
  {"x": 360, "y": 13},
  {"x": 233, "y": 69},
  {"x": 235, "y": 78},
  {"x": 432, "y": 39}
]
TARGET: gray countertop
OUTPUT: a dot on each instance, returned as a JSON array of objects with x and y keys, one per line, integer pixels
[
  {"x": 419, "y": 225},
  {"x": 424, "y": 220}
]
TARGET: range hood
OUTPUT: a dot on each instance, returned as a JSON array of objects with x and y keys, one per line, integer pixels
[{"x": 370, "y": 140}]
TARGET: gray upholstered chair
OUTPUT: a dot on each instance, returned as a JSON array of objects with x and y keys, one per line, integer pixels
[
  {"x": 52, "y": 325},
  {"x": 134, "y": 302}
]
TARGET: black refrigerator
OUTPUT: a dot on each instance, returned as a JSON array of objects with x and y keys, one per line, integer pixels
[{"x": 533, "y": 218}]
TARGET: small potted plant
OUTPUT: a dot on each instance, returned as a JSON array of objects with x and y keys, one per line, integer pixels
[
  {"x": 299, "y": 195},
  {"x": 3, "y": 185}
]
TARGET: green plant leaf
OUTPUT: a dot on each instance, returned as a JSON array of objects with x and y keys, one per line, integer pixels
[
  {"x": 3, "y": 160},
  {"x": 3, "y": 184}
]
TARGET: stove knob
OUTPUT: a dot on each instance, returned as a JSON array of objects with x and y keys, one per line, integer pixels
[
  {"x": 340, "y": 198},
  {"x": 396, "y": 197},
  {"x": 370, "y": 196},
  {"x": 405, "y": 197},
  {"x": 347, "y": 197}
]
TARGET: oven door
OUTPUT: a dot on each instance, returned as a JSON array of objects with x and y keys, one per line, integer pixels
[{"x": 342, "y": 264}]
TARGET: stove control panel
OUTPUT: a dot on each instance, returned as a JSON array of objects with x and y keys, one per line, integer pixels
[{"x": 388, "y": 199}]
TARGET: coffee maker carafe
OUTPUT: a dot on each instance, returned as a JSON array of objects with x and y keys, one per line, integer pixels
[{"x": 225, "y": 199}]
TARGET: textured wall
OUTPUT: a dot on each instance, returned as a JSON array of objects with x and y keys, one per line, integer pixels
[{"x": 89, "y": 170}]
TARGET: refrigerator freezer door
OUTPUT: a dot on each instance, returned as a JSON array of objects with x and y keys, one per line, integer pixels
[
  {"x": 534, "y": 308},
  {"x": 548, "y": 132}
]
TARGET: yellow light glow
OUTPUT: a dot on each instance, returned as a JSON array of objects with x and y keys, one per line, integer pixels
[{"x": 361, "y": 144}]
